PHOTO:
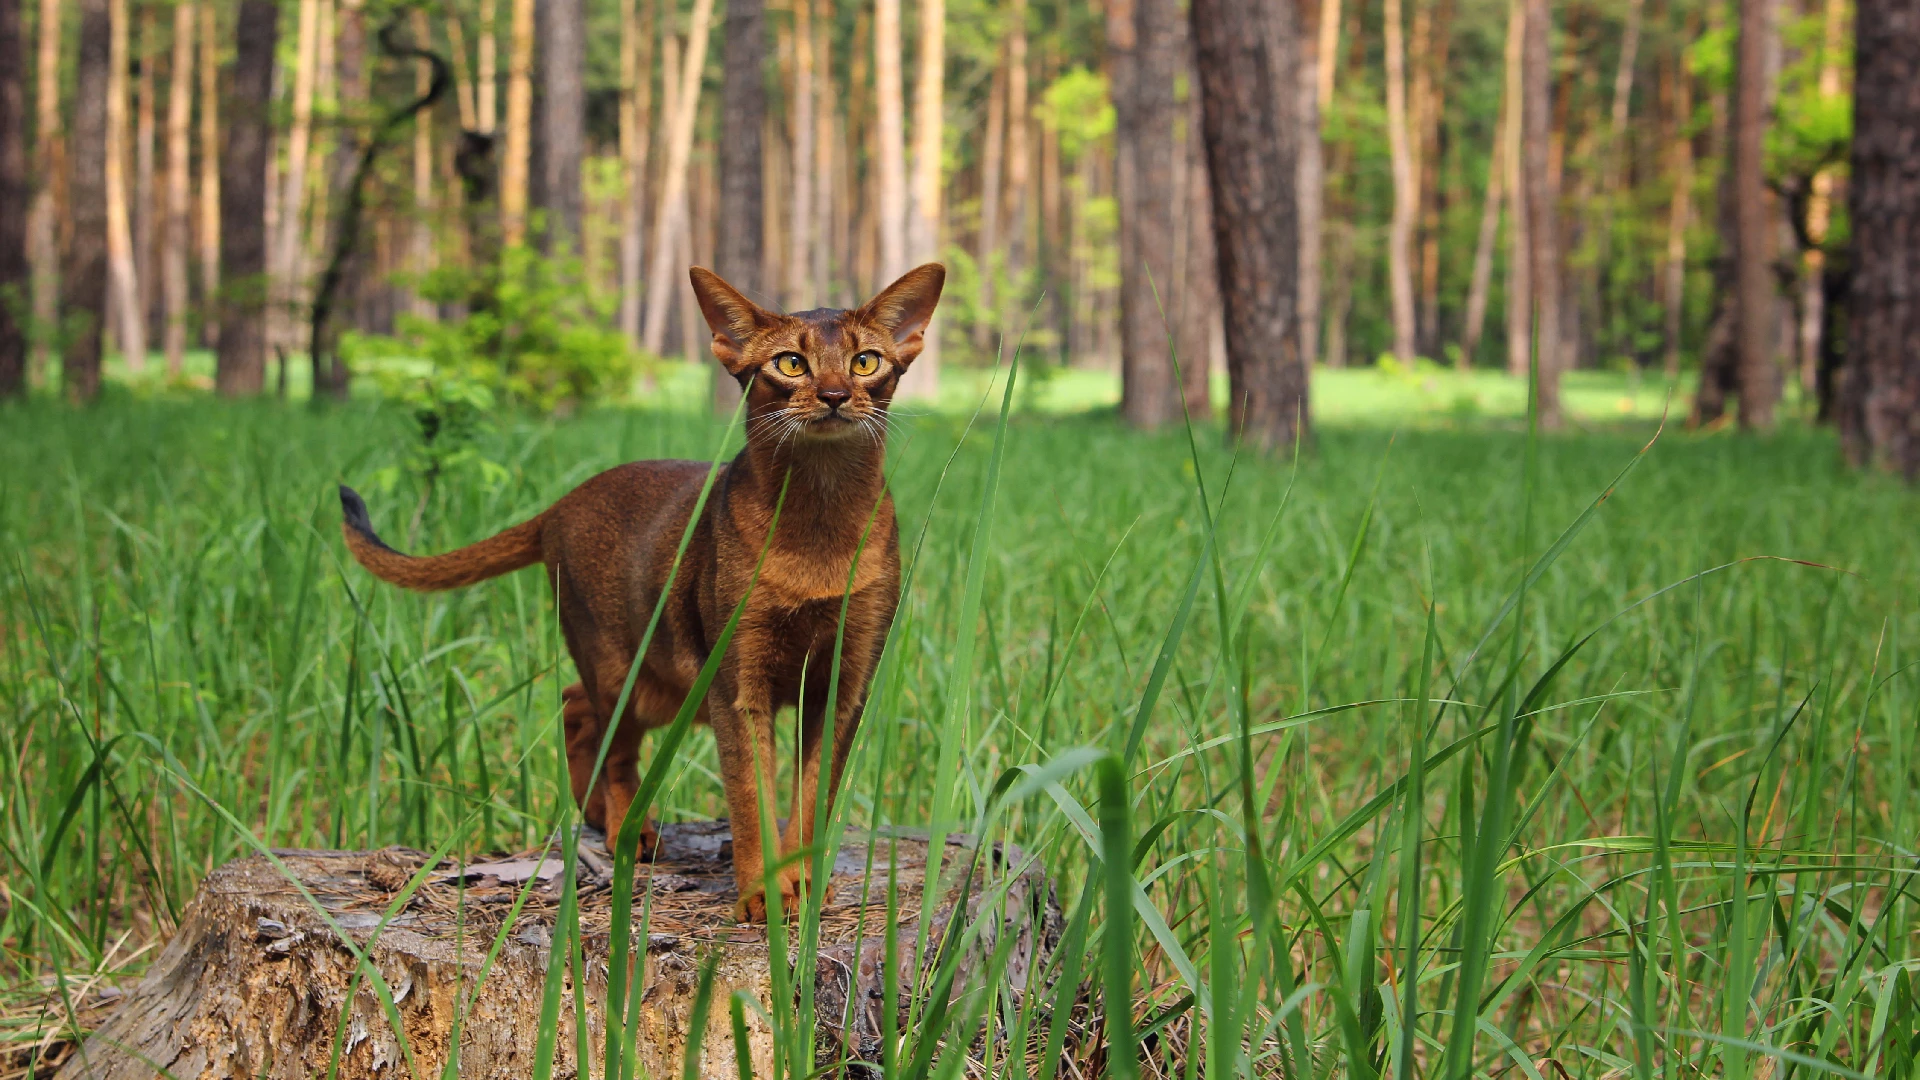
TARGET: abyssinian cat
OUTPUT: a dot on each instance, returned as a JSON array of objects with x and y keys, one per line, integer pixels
[{"x": 818, "y": 385}]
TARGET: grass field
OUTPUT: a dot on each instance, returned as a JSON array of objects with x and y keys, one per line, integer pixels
[{"x": 1396, "y": 812}]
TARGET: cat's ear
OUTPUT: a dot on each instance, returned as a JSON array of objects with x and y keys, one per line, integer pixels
[
  {"x": 732, "y": 317},
  {"x": 904, "y": 308}
]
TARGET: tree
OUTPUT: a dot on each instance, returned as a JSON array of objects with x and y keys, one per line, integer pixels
[
  {"x": 929, "y": 143},
  {"x": 636, "y": 125},
  {"x": 241, "y": 363},
  {"x": 1143, "y": 41},
  {"x": 1753, "y": 274},
  {"x": 1880, "y": 394},
  {"x": 1543, "y": 207},
  {"x": 516, "y": 161},
  {"x": 1252, "y": 171},
  {"x": 50, "y": 162},
  {"x": 562, "y": 37},
  {"x": 123, "y": 281},
  {"x": 209, "y": 239},
  {"x": 84, "y": 278},
  {"x": 1406, "y": 193},
  {"x": 1490, "y": 208},
  {"x": 800, "y": 213},
  {"x": 890, "y": 120},
  {"x": 15, "y": 273},
  {"x": 176, "y": 237},
  {"x": 743, "y": 94},
  {"x": 286, "y": 264},
  {"x": 670, "y": 221}
]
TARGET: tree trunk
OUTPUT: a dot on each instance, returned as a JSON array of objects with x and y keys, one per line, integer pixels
[
  {"x": 1679, "y": 210},
  {"x": 485, "y": 106},
  {"x": 330, "y": 373},
  {"x": 517, "y": 161},
  {"x": 242, "y": 361},
  {"x": 671, "y": 222},
  {"x": 636, "y": 128},
  {"x": 1017, "y": 208},
  {"x": 1198, "y": 291},
  {"x": 420, "y": 242},
  {"x": 922, "y": 380},
  {"x": 563, "y": 117},
  {"x": 43, "y": 226},
  {"x": 1753, "y": 273},
  {"x": 1251, "y": 164},
  {"x": 209, "y": 188},
  {"x": 141, "y": 207},
  {"x": 1143, "y": 44},
  {"x": 123, "y": 282},
  {"x": 1481, "y": 282},
  {"x": 84, "y": 279},
  {"x": 891, "y": 136},
  {"x": 992, "y": 164},
  {"x": 1405, "y": 191},
  {"x": 15, "y": 195},
  {"x": 1312, "y": 182},
  {"x": 178, "y": 232},
  {"x": 256, "y": 981},
  {"x": 823, "y": 155},
  {"x": 743, "y": 97},
  {"x": 1879, "y": 406},
  {"x": 801, "y": 227},
  {"x": 1820, "y": 210},
  {"x": 1543, "y": 226},
  {"x": 1428, "y": 111},
  {"x": 463, "y": 89},
  {"x": 287, "y": 269}
]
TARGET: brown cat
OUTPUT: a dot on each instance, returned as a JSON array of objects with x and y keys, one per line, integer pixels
[{"x": 818, "y": 387}]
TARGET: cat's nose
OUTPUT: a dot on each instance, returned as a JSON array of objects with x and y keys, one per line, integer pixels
[{"x": 834, "y": 397}]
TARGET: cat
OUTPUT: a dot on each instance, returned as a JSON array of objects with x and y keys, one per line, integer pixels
[{"x": 818, "y": 385}]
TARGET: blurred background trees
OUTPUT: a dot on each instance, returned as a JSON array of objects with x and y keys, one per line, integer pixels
[{"x": 1663, "y": 187}]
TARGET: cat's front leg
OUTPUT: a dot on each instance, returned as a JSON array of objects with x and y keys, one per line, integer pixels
[{"x": 741, "y": 712}]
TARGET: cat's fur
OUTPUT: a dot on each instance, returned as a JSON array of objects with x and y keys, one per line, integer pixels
[{"x": 609, "y": 543}]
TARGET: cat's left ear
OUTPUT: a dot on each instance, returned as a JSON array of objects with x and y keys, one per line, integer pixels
[
  {"x": 731, "y": 316},
  {"x": 904, "y": 308}
]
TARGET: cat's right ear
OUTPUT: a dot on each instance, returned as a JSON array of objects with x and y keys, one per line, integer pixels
[{"x": 732, "y": 317}]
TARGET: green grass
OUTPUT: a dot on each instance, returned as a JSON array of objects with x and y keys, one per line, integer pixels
[{"x": 1394, "y": 814}]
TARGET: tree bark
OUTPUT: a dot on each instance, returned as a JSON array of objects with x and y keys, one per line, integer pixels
[
  {"x": 209, "y": 238},
  {"x": 1143, "y": 45},
  {"x": 517, "y": 161},
  {"x": 84, "y": 278},
  {"x": 992, "y": 164},
  {"x": 1017, "y": 207},
  {"x": 287, "y": 262},
  {"x": 743, "y": 96},
  {"x": 1198, "y": 292},
  {"x": 922, "y": 380},
  {"x": 1312, "y": 182},
  {"x": 1481, "y": 283},
  {"x": 1879, "y": 401},
  {"x": 242, "y": 361},
  {"x": 1427, "y": 108},
  {"x": 178, "y": 233},
  {"x": 636, "y": 128},
  {"x": 563, "y": 115},
  {"x": 1679, "y": 210},
  {"x": 801, "y": 230},
  {"x": 1753, "y": 273},
  {"x": 141, "y": 206},
  {"x": 671, "y": 223},
  {"x": 15, "y": 193},
  {"x": 1820, "y": 210},
  {"x": 1543, "y": 225},
  {"x": 486, "y": 105},
  {"x": 1519, "y": 238},
  {"x": 123, "y": 282},
  {"x": 890, "y": 116},
  {"x": 1405, "y": 191},
  {"x": 50, "y": 161},
  {"x": 420, "y": 242},
  {"x": 330, "y": 373},
  {"x": 1251, "y": 164}
]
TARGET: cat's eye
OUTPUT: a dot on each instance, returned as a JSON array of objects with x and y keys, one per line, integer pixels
[
  {"x": 790, "y": 364},
  {"x": 866, "y": 363}
]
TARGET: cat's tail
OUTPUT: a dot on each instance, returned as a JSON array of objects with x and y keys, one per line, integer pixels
[{"x": 501, "y": 553}]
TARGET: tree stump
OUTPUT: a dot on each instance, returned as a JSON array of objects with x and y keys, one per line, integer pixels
[{"x": 254, "y": 982}]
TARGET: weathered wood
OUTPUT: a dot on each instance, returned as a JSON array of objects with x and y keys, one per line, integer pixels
[{"x": 254, "y": 982}]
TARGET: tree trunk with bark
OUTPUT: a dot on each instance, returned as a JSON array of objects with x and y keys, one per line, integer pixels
[
  {"x": 50, "y": 164},
  {"x": 420, "y": 242},
  {"x": 1820, "y": 211},
  {"x": 128, "y": 319},
  {"x": 1312, "y": 182},
  {"x": 636, "y": 129},
  {"x": 1480, "y": 284},
  {"x": 801, "y": 228},
  {"x": 350, "y": 79},
  {"x": 209, "y": 238},
  {"x": 670, "y": 224},
  {"x": 241, "y": 364},
  {"x": 1406, "y": 195},
  {"x": 890, "y": 135},
  {"x": 1753, "y": 274},
  {"x": 1543, "y": 209},
  {"x": 84, "y": 278},
  {"x": 140, "y": 208},
  {"x": 16, "y": 283},
  {"x": 563, "y": 119},
  {"x": 517, "y": 160},
  {"x": 1679, "y": 210},
  {"x": 927, "y": 216},
  {"x": 1879, "y": 401},
  {"x": 740, "y": 252},
  {"x": 1144, "y": 47},
  {"x": 177, "y": 235},
  {"x": 1251, "y": 164},
  {"x": 1198, "y": 292}
]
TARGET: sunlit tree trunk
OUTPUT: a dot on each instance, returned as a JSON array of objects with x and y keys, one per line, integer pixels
[
  {"x": 141, "y": 206},
  {"x": 1251, "y": 164},
  {"x": 1427, "y": 109},
  {"x": 486, "y": 98},
  {"x": 1820, "y": 209},
  {"x": 1679, "y": 211},
  {"x": 801, "y": 114},
  {"x": 123, "y": 283},
  {"x": 636, "y": 119},
  {"x": 1144, "y": 47},
  {"x": 890, "y": 119},
  {"x": 349, "y": 79},
  {"x": 50, "y": 164},
  {"x": 740, "y": 252},
  {"x": 15, "y": 196},
  {"x": 242, "y": 360},
  {"x": 1543, "y": 227},
  {"x": 992, "y": 163},
  {"x": 463, "y": 87},
  {"x": 84, "y": 278},
  {"x": 1879, "y": 407},
  {"x": 1753, "y": 271},
  {"x": 1519, "y": 235},
  {"x": 924, "y": 223},
  {"x": 284, "y": 249},
  {"x": 1405, "y": 193},
  {"x": 517, "y": 160},
  {"x": 1198, "y": 309},
  {"x": 209, "y": 186},
  {"x": 420, "y": 228},
  {"x": 1480, "y": 285},
  {"x": 823, "y": 154},
  {"x": 563, "y": 115},
  {"x": 670, "y": 223},
  {"x": 1312, "y": 182},
  {"x": 178, "y": 236}
]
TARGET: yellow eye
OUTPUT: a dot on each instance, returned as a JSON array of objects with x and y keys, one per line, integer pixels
[
  {"x": 866, "y": 363},
  {"x": 790, "y": 365}
]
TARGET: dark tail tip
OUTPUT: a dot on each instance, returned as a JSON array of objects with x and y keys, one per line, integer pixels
[{"x": 354, "y": 508}]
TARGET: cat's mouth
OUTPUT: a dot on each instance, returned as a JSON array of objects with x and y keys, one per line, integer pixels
[{"x": 831, "y": 424}]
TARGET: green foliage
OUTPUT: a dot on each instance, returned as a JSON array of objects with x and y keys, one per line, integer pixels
[{"x": 1077, "y": 107}]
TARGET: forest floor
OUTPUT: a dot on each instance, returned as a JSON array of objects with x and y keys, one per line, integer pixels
[{"x": 1684, "y": 845}]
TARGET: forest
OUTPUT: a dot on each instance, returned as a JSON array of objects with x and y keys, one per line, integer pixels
[{"x": 1405, "y": 521}]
